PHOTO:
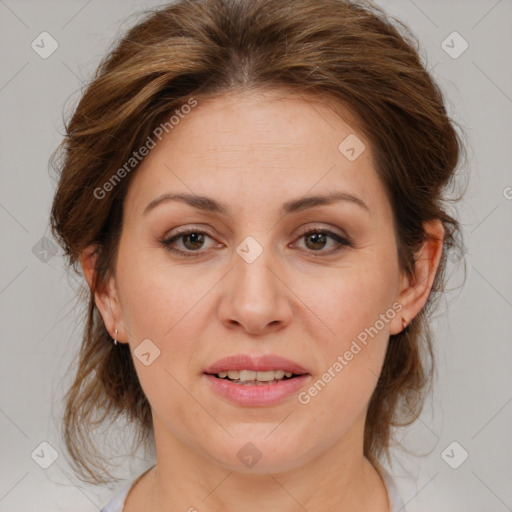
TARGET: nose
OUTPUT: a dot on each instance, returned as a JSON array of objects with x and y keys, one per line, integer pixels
[{"x": 255, "y": 298}]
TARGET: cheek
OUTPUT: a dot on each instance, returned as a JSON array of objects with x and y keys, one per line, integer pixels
[
  {"x": 351, "y": 298},
  {"x": 356, "y": 305},
  {"x": 159, "y": 304},
  {"x": 158, "y": 298}
]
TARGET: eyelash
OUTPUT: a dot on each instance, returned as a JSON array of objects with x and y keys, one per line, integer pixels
[{"x": 341, "y": 241}]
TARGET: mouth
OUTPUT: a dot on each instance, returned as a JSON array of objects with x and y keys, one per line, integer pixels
[
  {"x": 254, "y": 378},
  {"x": 248, "y": 368},
  {"x": 256, "y": 381}
]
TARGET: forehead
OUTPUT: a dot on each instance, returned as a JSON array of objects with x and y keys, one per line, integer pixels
[{"x": 277, "y": 144}]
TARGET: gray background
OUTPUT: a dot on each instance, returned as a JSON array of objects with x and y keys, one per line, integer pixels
[{"x": 471, "y": 404}]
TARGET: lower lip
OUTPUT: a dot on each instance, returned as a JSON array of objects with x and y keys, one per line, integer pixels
[{"x": 256, "y": 395}]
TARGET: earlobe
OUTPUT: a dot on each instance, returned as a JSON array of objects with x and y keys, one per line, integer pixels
[
  {"x": 416, "y": 288},
  {"x": 106, "y": 301}
]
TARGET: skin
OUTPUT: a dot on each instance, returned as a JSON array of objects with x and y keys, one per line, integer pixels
[{"x": 254, "y": 151}]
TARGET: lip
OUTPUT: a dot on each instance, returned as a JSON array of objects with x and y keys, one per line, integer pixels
[
  {"x": 255, "y": 363},
  {"x": 256, "y": 395}
]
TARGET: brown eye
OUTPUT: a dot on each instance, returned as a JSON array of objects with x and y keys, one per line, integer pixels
[
  {"x": 196, "y": 240},
  {"x": 317, "y": 239},
  {"x": 191, "y": 242}
]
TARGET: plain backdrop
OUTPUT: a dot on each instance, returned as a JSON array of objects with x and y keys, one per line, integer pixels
[{"x": 461, "y": 450}]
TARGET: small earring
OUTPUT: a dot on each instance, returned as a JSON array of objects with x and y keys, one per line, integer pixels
[
  {"x": 115, "y": 339},
  {"x": 404, "y": 324}
]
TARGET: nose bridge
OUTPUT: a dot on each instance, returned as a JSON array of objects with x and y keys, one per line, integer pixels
[
  {"x": 254, "y": 296},
  {"x": 253, "y": 261}
]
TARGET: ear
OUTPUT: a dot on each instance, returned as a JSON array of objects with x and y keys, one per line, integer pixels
[
  {"x": 107, "y": 302},
  {"x": 415, "y": 290}
]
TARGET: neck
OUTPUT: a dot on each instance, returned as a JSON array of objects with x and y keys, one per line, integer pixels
[{"x": 340, "y": 478}]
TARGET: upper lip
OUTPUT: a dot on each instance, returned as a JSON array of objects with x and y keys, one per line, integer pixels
[{"x": 255, "y": 363}]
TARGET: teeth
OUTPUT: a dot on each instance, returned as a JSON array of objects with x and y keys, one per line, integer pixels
[{"x": 249, "y": 375}]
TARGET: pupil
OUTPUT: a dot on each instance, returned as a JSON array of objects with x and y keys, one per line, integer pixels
[
  {"x": 319, "y": 238},
  {"x": 197, "y": 238}
]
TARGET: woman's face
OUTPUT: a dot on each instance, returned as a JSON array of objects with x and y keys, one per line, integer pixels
[{"x": 251, "y": 282}]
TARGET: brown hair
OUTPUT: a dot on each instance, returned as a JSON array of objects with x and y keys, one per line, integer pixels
[{"x": 345, "y": 51}]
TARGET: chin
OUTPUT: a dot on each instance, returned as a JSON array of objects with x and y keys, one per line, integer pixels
[{"x": 261, "y": 454}]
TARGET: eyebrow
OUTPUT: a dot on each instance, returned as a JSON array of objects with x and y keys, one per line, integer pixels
[{"x": 296, "y": 205}]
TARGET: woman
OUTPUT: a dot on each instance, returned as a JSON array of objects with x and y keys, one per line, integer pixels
[{"x": 254, "y": 191}]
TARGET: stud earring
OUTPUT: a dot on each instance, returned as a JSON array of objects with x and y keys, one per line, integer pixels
[
  {"x": 115, "y": 338},
  {"x": 404, "y": 324}
]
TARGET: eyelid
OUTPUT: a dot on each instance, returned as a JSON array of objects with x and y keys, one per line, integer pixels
[
  {"x": 323, "y": 228},
  {"x": 187, "y": 229}
]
